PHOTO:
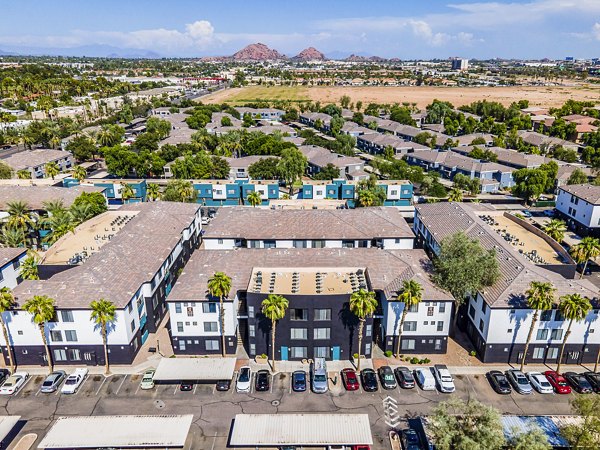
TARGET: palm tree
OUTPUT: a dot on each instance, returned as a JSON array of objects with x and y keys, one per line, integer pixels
[
  {"x": 51, "y": 169},
  {"x": 24, "y": 174},
  {"x": 254, "y": 199},
  {"x": 555, "y": 229},
  {"x": 79, "y": 173},
  {"x": 103, "y": 313},
  {"x": 60, "y": 224},
  {"x": 411, "y": 294},
  {"x": 274, "y": 307},
  {"x": 7, "y": 301},
  {"x": 81, "y": 212},
  {"x": 540, "y": 297},
  {"x": 29, "y": 267},
  {"x": 587, "y": 248},
  {"x": 54, "y": 206},
  {"x": 362, "y": 304},
  {"x": 11, "y": 237},
  {"x": 573, "y": 307},
  {"x": 18, "y": 215},
  {"x": 41, "y": 307},
  {"x": 153, "y": 191},
  {"x": 126, "y": 192},
  {"x": 455, "y": 195},
  {"x": 219, "y": 285}
]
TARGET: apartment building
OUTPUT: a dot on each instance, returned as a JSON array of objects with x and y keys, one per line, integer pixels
[
  {"x": 34, "y": 161},
  {"x": 10, "y": 262},
  {"x": 319, "y": 157},
  {"x": 234, "y": 192},
  {"x": 579, "y": 206}
]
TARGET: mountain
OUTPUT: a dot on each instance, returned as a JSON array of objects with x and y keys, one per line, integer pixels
[
  {"x": 257, "y": 52},
  {"x": 360, "y": 58},
  {"x": 310, "y": 54}
]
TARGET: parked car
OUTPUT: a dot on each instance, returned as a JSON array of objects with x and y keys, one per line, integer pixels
[
  {"x": 558, "y": 382},
  {"x": 549, "y": 212},
  {"x": 243, "y": 380},
  {"x": 410, "y": 440},
  {"x": 147, "y": 379},
  {"x": 579, "y": 382},
  {"x": 425, "y": 378},
  {"x": 386, "y": 377},
  {"x": 519, "y": 381},
  {"x": 540, "y": 383},
  {"x": 405, "y": 377},
  {"x": 369, "y": 380},
  {"x": 14, "y": 383},
  {"x": 262, "y": 382},
  {"x": 52, "y": 381},
  {"x": 499, "y": 382},
  {"x": 4, "y": 374},
  {"x": 594, "y": 380},
  {"x": 318, "y": 376},
  {"x": 349, "y": 379},
  {"x": 443, "y": 378},
  {"x": 74, "y": 381},
  {"x": 299, "y": 381},
  {"x": 223, "y": 385},
  {"x": 186, "y": 386},
  {"x": 526, "y": 213}
]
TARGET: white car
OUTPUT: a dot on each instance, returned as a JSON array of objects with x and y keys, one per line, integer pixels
[
  {"x": 14, "y": 383},
  {"x": 244, "y": 379},
  {"x": 73, "y": 381},
  {"x": 540, "y": 383},
  {"x": 147, "y": 379},
  {"x": 425, "y": 378},
  {"x": 443, "y": 378}
]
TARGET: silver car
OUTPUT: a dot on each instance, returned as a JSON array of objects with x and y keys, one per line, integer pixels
[
  {"x": 519, "y": 381},
  {"x": 52, "y": 381}
]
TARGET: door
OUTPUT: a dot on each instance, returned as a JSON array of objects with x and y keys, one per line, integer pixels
[
  {"x": 335, "y": 353},
  {"x": 284, "y": 353}
]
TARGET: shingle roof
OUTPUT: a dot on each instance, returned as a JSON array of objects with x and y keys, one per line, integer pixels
[
  {"x": 587, "y": 192},
  {"x": 34, "y": 158},
  {"x": 452, "y": 159},
  {"x": 537, "y": 139},
  {"x": 35, "y": 196},
  {"x": 509, "y": 156},
  {"x": 320, "y": 157},
  {"x": 8, "y": 254}
]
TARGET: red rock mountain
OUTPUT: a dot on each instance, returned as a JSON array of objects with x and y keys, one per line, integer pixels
[
  {"x": 310, "y": 54},
  {"x": 257, "y": 52}
]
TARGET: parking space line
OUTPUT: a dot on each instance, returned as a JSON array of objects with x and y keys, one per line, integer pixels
[
  {"x": 81, "y": 385},
  {"x": 214, "y": 389},
  {"x": 175, "y": 390},
  {"x": 195, "y": 386},
  {"x": 137, "y": 389},
  {"x": 272, "y": 381},
  {"x": 119, "y": 388},
  {"x": 101, "y": 384}
]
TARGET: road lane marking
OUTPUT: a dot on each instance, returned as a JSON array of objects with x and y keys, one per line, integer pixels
[{"x": 119, "y": 388}]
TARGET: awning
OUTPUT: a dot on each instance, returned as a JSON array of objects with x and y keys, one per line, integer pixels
[
  {"x": 118, "y": 432},
  {"x": 195, "y": 369},
  {"x": 252, "y": 430},
  {"x": 7, "y": 423}
]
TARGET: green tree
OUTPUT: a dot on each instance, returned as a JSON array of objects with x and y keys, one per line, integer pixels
[
  {"x": 41, "y": 307},
  {"x": 292, "y": 166},
  {"x": 456, "y": 195},
  {"x": 578, "y": 176},
  {"x": 532, "y": 439},
  {"x": 60, "y": 224},
  {"x": 103, "y": 314},
  {"x": 254, "y": 199},
  {"x": 363, "y": 304},
  {"x": 586, "y": 434},
  {"x": 95, "y": 200},
  {"x": 226, "y": 121},
  {"x": 29, "y": 267},
  {"x": 587, "y": 248},
  {"x": 5, "y": 171},
  {"x": 24, "y": 174},
  {"x": 159, "y": 127},
  {"x": 411, "y": 295},
  {"x": 153, "y": 191},
  {"x": 345, "y": 101},
  {"x": 369, "y": 193},
  {"x": 329, "y": 172},
  {"x": 264, "y": 169},
  {"x": 555, "y": 228},
  {"x": 80, "y": 213},
  {"x": 7, "y": 303},
  {"x": 51, "y": 169},
  {"x": 529, "y": 183},
  {"x": 573, "y": 307},
  {"x": 179, "y": 191},
  {"x": 19, "y": 215},
  {"x": 11, "y": 237},
  {"x": 540, "y": 297},
  {"x": 79, "y": 173},
  {"x": 219, "y": 286},
  {"x": 127, "y": 192},
  {"x": 402, "y": 115},
  {"x": 82, "y": 148},
  {"x": 274, "y": 307}
]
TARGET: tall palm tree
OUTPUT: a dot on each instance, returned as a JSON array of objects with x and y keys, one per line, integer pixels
[
  {"x": 153, "y": 191},
  {"x": 540, "y": 297},
  {"x": 455, "y": 195},
  {"x": 41, "y": 307},
  {"x": 51, "y": 169},
  {"x": 11, "y": 237},
  {"x": 59, "y": 224},
  {"x": 254, "y": 199},
  {"x": 587, "y": 248},
  {"x": 411, "y": 294},
  {"x": 7, "y": 301},
  {"x": 29, "y": 267},
  {"x": 81, "y": 212},
  {"x": 555, "y": 229},
  {"x": 219, "y": 285},
  {"x": 362, "y": 304},
  {"x": 103, "y": 313},
  {"x": 573, "y": 307},
  {"x": 79, "y": 173},
  {"x": 19, "y": 215},
  {"x": 126, "y": 192},
  {"x": 186, "y": 191},
  {"x": 274, "y": 307},
  {"x": 54, "y": 206}
]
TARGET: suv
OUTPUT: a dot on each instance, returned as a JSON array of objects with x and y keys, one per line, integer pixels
[
  {"x": 386, "y": 377},
  {"x": 443, "y": 378},
  {"x": 52, "y": 381},
  {"x": 519, "y": 381}
]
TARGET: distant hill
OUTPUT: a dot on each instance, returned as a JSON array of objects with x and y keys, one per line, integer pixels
[
  {"x": 310, "y": 54},
  {"x": 257, "y": 52},
  {"x": 360, "y": 58}
]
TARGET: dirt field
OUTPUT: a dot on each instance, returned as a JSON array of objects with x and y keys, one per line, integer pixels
[{"x": 423, "y": 95}]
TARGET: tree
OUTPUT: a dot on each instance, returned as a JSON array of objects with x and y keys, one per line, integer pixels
[
  {"x": 11, "y": 237},
  {"x": 29, "y": 267},
  {"x": 529, "y": 183},
  {"x": 578, "y": 176},
  {"x": 5, "y": 171},
  {"x": 573, "y": 307},
  {"x": 329, "y": 172},
  {"x": 555, "y": 228},
  {"x": 95, "y": 200},
  {"x": 219, "y": 286},
  {"x": 103, "y": 313},
  {"x": 264, "y": 169},
  {"x": 51, "y": 169},
  {"x": 179, "y": 191},
  {"x": 586, "y": 434},
  {"x": 369, "y": 193},
  {"x": 463, "y": 267},
  {"x": 363, "y": 304},
  {"x": 153, "y": 191},
  {"x": 7, "y": 302},
  {"x": 587, "y": 248},
  {"x": 345, "y": 101},
  {"x": 456, "y": 424},
  {"x": 127, "y": 192},
  {"x": 41, "y": 307},
  {"x": 226, "y": 121},
  {"x": 18, "y": 215},
  {"x": 532, "y": 439},
  {"x": 411, "y": 294},
  {"x": 80, "y": 213},
  {"x": 455, "y": 195},
  {"x": 401, "y": 114},
  {"x": 82, "y": 148},
  {"x": 274, "y": 307},
  {"x": 23, "y": 174},
  {"x": 160, "y": 127},
  {"x": 540, "y": 297},
  {"x": 254, "y": 199},
  {"x": 292, "y": 166},
  {"x": 79, "y": 173},
  {"x": 60, "y": 223}
]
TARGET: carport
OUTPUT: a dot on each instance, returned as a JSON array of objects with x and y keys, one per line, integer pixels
[
  {"x": 118, "y": 432},
  {"x": 311, "y": 430},
  {"x": 194, "y": 369}
]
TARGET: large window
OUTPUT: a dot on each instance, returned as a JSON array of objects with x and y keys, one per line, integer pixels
[
  {"x": 442, "y": 307},
  {"x": 298, "y": 314},
  {"x": 299, "y": 333},
  {"x": 546, "y": 315},
  {"x": 319, "y": 243},
  {"x": 56, "y": 336},
  {"x": 60, "y": 354},
  {"x": 300, "y": 244},
  {"x": 210, "y": 327},
  {"x": 542, "y": 334},
  {"x": 253, "y": 244},
  {"x": 180, "y": 327},
  {"x": 440, "y": 325},
  {"x": 408, "y": 344},
  {"x": 410, "y": 325},
  {"x": 556, "y": 334},
  {"x": 251, "y": 330},
  {"x": 178, "y": 308},
  {"x": 538, "y": 353},
  {"x": 212, "y": 344},
  {"x": 322, "y": 314},
  {"x": 298, "y": 352},
  {"x": 71, "y": 335},
  {"x": 270, "y": 244},
  {"x": 321, "y": 333},
  {"x": 413, "y": 308},
  {"x": 209, "y": 308},
  {"x": 66, "y": 316},
  {"x": 552, "y": 353},
  {"x": 347, "y": 244},
  {"x": 321, "y": 352},
  {"x": 74, "y": 354}
]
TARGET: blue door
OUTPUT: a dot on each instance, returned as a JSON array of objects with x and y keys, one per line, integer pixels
[
  {"x": 284, "y": 353},
  {"x": 335, "y": 353}
]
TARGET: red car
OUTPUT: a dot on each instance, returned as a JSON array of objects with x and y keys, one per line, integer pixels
[
  {"x": 361, "y": 447},
  {"x": 558, "y": 382},
  {"x": 350, "y": 379}
]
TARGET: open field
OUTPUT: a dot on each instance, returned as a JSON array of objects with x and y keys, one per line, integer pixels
[{"x": 421, "y": 95}]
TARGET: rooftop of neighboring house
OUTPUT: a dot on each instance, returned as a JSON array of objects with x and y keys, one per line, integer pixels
[
  {"x": 384, "y": 270},
  {"x": 578, "y": 118},
  {"x": 296, "y": 140},
  {"x": 36, "y": 196},
  {"x": 566, "y": 170},
  {"x": 352, "y": 127},
  {"x": 132, "y": 257},
  {"x": 537, "y": 139},
  {"x": 258, "y": 223},
  {"x": 385, "y": 140},
  {"x": 320, "y": 157},
  {"x": 467, "y": 139},
  {"x": 314, "y": 116},
  {"x": 507, "y": 156},
  {"x": 588, "y": 192},
  {"x": 452, "y": 159},
  {"x": 181, "y": 135},
  {"x": 246, "y": 161},
  {"x": 277, "y": 128},
  {"x": 8, "y": 254},
  {"x": 34, "y": 158},
  {"x": 243, "y": 110},
  {"x": 535, "y": 110},
  {"x": 437, "y": 127}
]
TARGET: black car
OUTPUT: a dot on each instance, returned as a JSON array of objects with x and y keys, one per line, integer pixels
[
  {"x": 262, "y": 381},
  {"x": 410, "y": 440},
  {"x": 386, "y": 377},
  {"x": 186, "y": 386},
  {"x": 4, "y": 374},
  {"x": 499, "y": 382},
  {"x": 594, "y": 379},
  {"x": 223, "y": 385},
  {"x": 368, "y": 379},
  {"x": 579, "y": 382},
  {"x": 299, "y": 381},
  {"x": 405, "y": 377}
]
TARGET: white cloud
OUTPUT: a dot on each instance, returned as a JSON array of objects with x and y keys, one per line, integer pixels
[{"x": 596, "y": 31}]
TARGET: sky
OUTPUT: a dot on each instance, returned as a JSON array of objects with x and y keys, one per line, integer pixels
[{"x": 406, "y": 29}]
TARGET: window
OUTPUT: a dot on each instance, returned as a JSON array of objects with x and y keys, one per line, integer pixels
[
  {"x": 440, "y": 325},
  {"x": 219, "y": 241},
  {"x": 253, "y": 244},
  {"x": 269, "y": 244},
  {"x": 347, "y": 244},
  {"x": 542, "y": 334},
  {"x": 472, "y": 311},
  {"x": 299, "y": 314},
  {"x": 60, "y": 354},
  {"x": 552, "y": 353},
  {"x": 210, "y": 327},
  {"x": 321, "y": 352},
  {"x": 299, "y": 333},
  {"x": 56, "y": 336},
  {"x": 322, "y": 314},
  {"x": 430, "y": 311},
  {"x": 298, "y": 352},
  {"x": 408, "y": 344},
  {"x": 130, "y": 306},
  {"x": 180, "y": 327},
  {"x": 253, "y": 349},
  {"x": 178, "y": 308},
  {"x": 438, "y": 344},
  {"x": 209, "y": 308},
  {"x": 182, "y": 345},
  {"x": 74, "y": 354},
  {"x": 71, "y": 335},
  {"x": 556, "y": 334},
  {"x": 190, "y": 311},
  {"x": 413, "y": 308},
  {"x": 442, "y": 307},
  {"x": 321, "y": 333},
  {"x": 318, "y": 243},
  {"x": 546, "y": 315},
  {"x": 212, "y": 344},
  {"x": 481, "y": 324},
  {"x": 300, "y": 244},
  {"x": 16, "y": 264},
  {"x": 558, "y": 316},
  {"x": 363, "y": 244},
  {"x": 251, "y": 311},
  {"x": 410, "y": 325},
  {"x": 509, "y": 331},
  {"x": 538, "y": 353},
  {"x": 368, "y": 330},
  {"x": 132, "y": 325},
  {"x": 483, "y": 307},
  {"x": 251, "y": 330},
  {"x": 66, "y": 316},
  {"x": 367, "y": 349}
]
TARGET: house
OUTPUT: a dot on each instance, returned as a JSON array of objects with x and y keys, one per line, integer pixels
[
  {"x": 261, "y": 113},
  {"x": 542, "y": 141},
  {"x": 113, "y": 189},
  {"x": 566, "y": 170},
  {"x": 34, "y": 161},
  {"x": 467, "y": 139},
  {"x": 376, "y": 143},
  {"x": 507, "y": 157},
  {"x": 579, "y": 206},
  {"x": 10, "y": 261},
  {"x": 355, "y": 130},
  {"x": 311, "y": 118},
  {"x": 234, "y": 192},
  {"x": 238, "y": 167},
  {"x": 319, "y": 158}
]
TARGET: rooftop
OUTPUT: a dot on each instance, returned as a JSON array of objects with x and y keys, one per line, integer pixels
[
  {"x": 8, "y": 254},
  {"x": 34, "y": 158},
  {"x": 307, "y": 281},
  {"x": 452, "y": 159},
  {"x": 320, "y": 157},
  {"x": 507, "y": 156},
  {"x": 36, "y": 196},
  {"x": 587, "y": 192}
]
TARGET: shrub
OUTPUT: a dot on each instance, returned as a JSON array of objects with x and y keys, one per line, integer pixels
[
  {"x": 473, "y": 353},
  {"x": 388, "y": 353},
  {"x": 355, "y": 356},
  {"x": 426, "y": 361},
  {"x": 414, "y": 360}
]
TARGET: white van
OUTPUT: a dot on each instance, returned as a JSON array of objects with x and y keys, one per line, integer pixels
[
  {"x": 318, "y": 376},
  {"x": 425, "y": 378}
]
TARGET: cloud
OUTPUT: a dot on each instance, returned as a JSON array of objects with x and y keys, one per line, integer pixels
[{"x": 596, "y": 31}]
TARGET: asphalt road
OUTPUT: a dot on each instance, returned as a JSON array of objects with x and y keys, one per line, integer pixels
[{"x": 213, "y": 411}]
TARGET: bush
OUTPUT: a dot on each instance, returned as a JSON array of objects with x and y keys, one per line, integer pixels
[
  {"x": 414, "y": 360},
  {"x": 355, "y": 356},
  {"x": 388, "y": 353},
  {"x": 425, "y": 361},
  {"x": 473, "y": 353},
  {"x": 263, "y": 356}
]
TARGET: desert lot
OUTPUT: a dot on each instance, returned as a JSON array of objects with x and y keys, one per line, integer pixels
[{"x": 421, "y": 95}]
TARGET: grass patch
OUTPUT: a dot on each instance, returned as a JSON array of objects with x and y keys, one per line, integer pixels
[{"x": 269, "y": 94}]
